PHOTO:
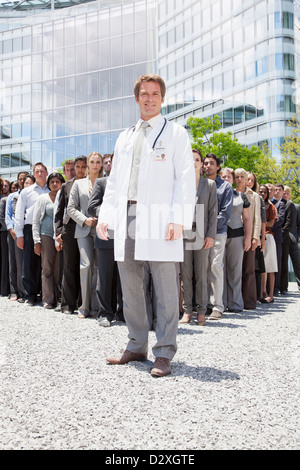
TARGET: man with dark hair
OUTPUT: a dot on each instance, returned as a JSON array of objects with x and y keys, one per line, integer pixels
[
  {"x": 64, "y": 232},
  {"x": 107, "y": 162},
  {"x": 290, "y": 242},
  {"x": 280, "y": 203},
  {"x": 23, "y": 228},
  {"x": 69, "y": 169},
  {"x": 211, "y": 168}
]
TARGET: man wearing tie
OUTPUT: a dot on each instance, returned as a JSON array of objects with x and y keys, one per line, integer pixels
[{"x": 149, "y": 199}]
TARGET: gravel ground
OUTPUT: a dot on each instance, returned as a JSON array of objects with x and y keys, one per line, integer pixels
[{"x": 234, "y": 383}]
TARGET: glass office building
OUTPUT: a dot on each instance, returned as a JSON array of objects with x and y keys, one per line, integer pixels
[
  {"x": 239, "y": 60},
  {"x": 67, "y": 69},
  {"x": 67, "y": 76}
]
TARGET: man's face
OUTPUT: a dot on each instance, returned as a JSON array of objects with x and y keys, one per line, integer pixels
[
  {"x": 80, "y": 168},
  {"x": 286, "y": 195},
  {"x": 278, "y": 193},
  {"x": 241, "y": 182},
  {"x": 21, "y": 180},
  {"x": 69, "y": 171},
  {"x": 210, "y": 168},
  {"x": 271, "y": 190},
  {"x": 107, "y": 165},
  {"x": 40, "y": 175},
  {"x": 149, "y": 100}
]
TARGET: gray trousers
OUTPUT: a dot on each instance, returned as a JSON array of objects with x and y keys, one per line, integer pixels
[
  {"x": 134, "y": 275},
  {"x": 233, "y": 270},
  {"x": 216, "y": 273},
  {"x": 88, "y": 275},
  {"x": 193, "y": 271},
  {"x": 19, "y": 264}
]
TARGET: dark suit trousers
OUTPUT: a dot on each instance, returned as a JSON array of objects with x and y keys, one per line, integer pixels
[
  {"x": 108, "y": 283},
  {"x": 4, "y": 288},
  {"x": 249, "y": 280},
  {"x": 289, "y": 248},
  {"x": 70, "y": 286},
  {"x": 31, "y": 266},
  {"x": 279, "y": 247},
  {"x": 13, "y": 271}
]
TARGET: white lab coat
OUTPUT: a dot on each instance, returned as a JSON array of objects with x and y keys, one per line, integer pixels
[{"x": 166, "y": 192}]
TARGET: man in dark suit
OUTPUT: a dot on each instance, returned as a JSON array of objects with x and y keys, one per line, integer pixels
[
  {"x": 279, "y": 203},
  {"x": 298, "y": 221},
  {"x": 290, "y": 242},
  {"x": 64, "y": 231},
  {"x": 108, "y": 286}
]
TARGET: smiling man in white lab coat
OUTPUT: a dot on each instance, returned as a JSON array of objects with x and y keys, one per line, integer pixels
[{"x": 149, "y": 200}]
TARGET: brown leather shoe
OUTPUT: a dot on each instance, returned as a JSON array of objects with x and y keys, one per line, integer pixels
[
  {"x": 161, "y": 367},
  {"x": 126, "y": 357}
]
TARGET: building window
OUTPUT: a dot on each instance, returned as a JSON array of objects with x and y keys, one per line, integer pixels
[
  {"x": 284, "y": 62},
  {"x": 283, "y": 19}
]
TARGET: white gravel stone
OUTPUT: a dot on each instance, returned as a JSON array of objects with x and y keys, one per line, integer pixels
[{"x": 234, "y": 383}]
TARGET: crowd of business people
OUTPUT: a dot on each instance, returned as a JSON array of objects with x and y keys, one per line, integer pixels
[
  {"x": 49, "y": 249},
  {"x": 235, "y": 256}
]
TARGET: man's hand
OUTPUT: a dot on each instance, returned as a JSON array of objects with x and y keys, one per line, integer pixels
[
  {"x": 174, "y": 232},
  {"x": 102, "y": 231},
  {"x": 12, "y": 232},
  {"x": 38, "y": 248},
  {"x": 59, "y": 243},
  {"x": 20, "y": 243},
  {"x": 208, "y": 243}
]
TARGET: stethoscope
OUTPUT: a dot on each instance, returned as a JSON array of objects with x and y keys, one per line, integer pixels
[{"x": 158, "y": 136}]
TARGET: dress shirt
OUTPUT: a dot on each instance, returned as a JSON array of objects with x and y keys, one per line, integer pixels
[
  {"x": 25, "y": 206},
  {"x": 225, "y": 204},
  {"x": 136, "y": 162},
  {"x": 9, "y": 214}
]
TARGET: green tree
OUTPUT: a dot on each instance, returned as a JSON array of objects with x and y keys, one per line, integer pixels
[
  {"x": 267, "y": 169},
  {"x": 290, "y": 163},
  {"x": 207, "y": 137}
]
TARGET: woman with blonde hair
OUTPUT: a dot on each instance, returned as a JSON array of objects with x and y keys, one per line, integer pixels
[
  {"x": 238, "y": 242},
  {"x": 85, "y": 233}
]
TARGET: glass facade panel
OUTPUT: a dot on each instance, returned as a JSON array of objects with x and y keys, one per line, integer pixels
[
  {"x": 68, "y": 75},
  {"x": 239, "y": 49},
  {"x": 71, "y": 74}
]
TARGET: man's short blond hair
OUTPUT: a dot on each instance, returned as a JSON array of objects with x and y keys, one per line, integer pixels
[{"x": 149, "y": 78}]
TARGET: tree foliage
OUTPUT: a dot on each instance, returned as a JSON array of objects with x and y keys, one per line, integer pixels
[
  {"x": 290, "y": 163},
  {"x": 208, "y": 138}
]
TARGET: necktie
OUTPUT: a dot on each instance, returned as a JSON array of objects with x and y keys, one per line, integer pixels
[{"x": 137, "y": 151}]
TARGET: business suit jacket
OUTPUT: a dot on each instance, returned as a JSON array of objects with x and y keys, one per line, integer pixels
[
  {"x": 94, "y": 208},
  {"x": 77, "y": 206},
  {"x": 64, "y": 224},
  {"x": 289, "y": 228},
  {"x": 277, "y": 227},
  {"x": 205, "y": 218},
  {"x": 298, "y": 219}
]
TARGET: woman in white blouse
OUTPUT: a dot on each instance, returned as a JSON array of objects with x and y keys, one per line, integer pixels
[{"x": 85, "y": 233}]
